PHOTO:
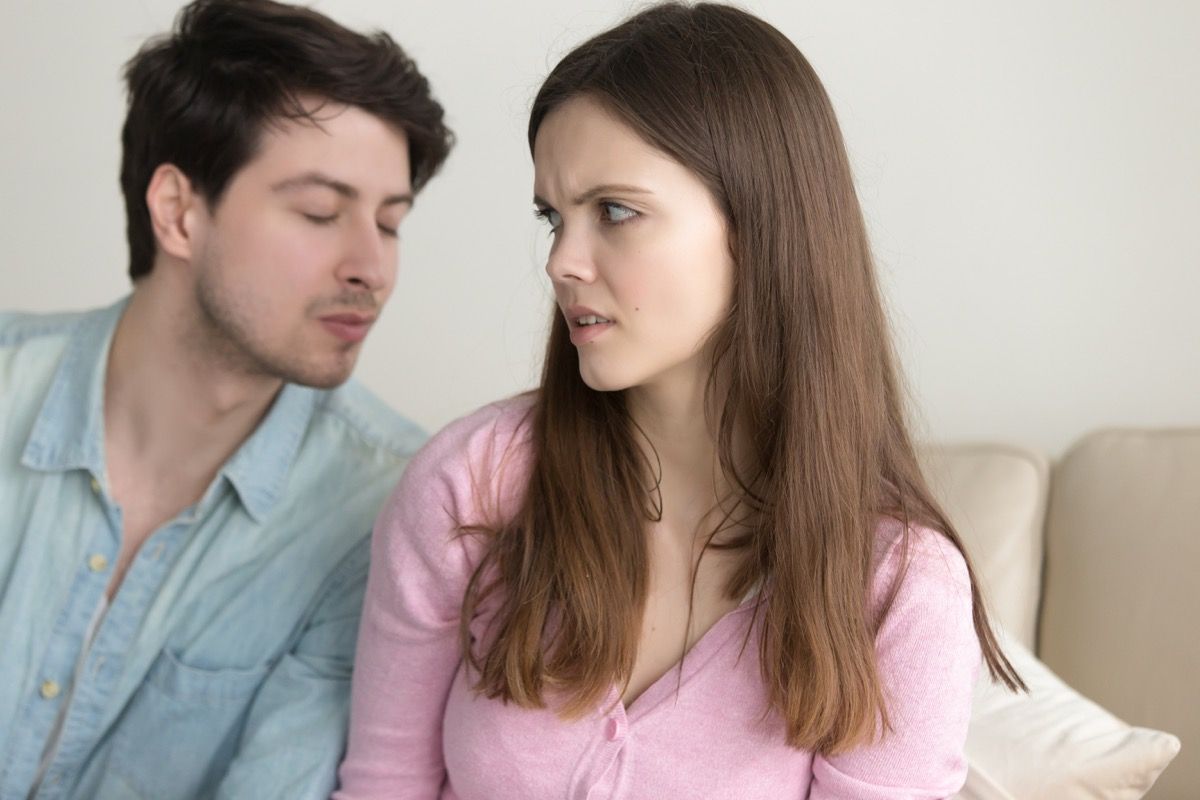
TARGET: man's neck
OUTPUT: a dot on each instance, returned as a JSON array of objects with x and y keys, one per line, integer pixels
[{"x": 172, "y": 409}]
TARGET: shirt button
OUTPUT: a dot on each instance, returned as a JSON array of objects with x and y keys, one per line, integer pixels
[
  {"x": 95, "y": 486},
  {"x": 611, "y": 730},
  {"x": 50, "y": 689},
  {"x": 97, "y": 562}
]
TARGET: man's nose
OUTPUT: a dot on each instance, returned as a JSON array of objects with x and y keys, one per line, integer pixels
[{"x": 367, "y": 261}]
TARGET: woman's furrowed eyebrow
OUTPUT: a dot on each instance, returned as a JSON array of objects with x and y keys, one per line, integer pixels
[{"x": 599, "y": 191}]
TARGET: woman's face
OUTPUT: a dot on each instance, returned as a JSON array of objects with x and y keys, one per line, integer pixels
[{"x": 640, "y": 258}]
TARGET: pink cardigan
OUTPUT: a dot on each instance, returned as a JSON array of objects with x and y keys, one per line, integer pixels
[{"x": 418, "y": 731}]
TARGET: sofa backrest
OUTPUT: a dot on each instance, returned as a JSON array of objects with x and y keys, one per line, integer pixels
[
  {"x": 1121, "y": 606},
  {"x": 995, "y": 496}
]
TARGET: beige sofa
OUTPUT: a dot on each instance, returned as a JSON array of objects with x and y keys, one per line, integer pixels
[{"x": 1094, "y": 565}]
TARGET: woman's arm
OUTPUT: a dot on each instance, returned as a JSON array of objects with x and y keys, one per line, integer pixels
[
  {"x": 928, "y": 658},
  {"x": 408, "y": 645}
]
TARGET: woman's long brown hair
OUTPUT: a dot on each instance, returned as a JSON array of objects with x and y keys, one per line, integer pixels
[{"x": 808, "y": 380}]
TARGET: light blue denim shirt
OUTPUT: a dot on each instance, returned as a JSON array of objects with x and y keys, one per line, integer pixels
[{"x": 222, "y": 667}]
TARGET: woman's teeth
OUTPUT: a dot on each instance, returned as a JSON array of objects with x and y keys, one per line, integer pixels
[{"x": 590, "y": 320}]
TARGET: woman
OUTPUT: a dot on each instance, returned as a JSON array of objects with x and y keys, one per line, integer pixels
[{"x": 700, "y": 560}]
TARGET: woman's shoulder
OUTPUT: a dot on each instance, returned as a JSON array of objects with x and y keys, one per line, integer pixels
[
  {"x": 480, "y": 457},
  {"x": 924, "y": 559},
  {"x": 484, "y": 435}
]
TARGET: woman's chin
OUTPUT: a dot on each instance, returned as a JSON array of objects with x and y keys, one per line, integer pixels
[{"x": 601, "y": 380}]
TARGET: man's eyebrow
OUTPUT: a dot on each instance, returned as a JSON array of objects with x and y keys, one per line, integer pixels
[
  {"x": 599, "y": 191},
  {"x": 341, "y": 187}
]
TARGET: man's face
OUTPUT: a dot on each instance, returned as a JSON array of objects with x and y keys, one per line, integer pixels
[{"x": 299, "y": 255}]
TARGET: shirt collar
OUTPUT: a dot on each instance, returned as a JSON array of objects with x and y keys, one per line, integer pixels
[
  {"x": 69, "y": 430},
  {"x": 259, "y": 469}
]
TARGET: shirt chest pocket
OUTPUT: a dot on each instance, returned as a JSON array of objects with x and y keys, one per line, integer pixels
[{"x": 180, "y": 729}]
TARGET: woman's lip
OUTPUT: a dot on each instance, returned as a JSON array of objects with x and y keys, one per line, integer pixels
[
  {"x": 348, "y": 327},
  {"x": 573, "y": 313},
  {"x": 582, "y": 334}
]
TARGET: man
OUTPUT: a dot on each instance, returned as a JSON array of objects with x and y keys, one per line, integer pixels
[{"x": 186, "y": 485}]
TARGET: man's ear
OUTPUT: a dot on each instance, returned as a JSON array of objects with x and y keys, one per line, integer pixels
[{"x": 176, "y": 211}]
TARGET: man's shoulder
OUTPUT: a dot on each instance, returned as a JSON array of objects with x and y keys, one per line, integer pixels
[
  {"x": 22, "y": 327},
  {"x": 366, "y": 422},
  {"x": 32, "y": 346},
  {"x": 354, "y": 448}
]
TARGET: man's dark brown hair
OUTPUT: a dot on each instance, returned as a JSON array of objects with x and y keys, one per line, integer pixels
[{"x": 200, "y": 96}]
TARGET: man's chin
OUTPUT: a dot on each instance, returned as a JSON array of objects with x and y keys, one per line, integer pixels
[
  {"x": 322, "y": 381},
  {"x": 325, "y": 376}
]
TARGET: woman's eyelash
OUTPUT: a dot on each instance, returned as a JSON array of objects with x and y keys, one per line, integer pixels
[
  {"x": 622, "y": 213},
  {"x": 611, "y": 213},
  {"x": 549, "y": 216}
]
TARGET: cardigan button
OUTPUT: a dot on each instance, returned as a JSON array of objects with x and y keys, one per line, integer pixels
[{"x": 612, "y": 730}]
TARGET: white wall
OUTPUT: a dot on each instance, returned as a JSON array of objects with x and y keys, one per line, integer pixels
[{"x": 1030, "y": 172}]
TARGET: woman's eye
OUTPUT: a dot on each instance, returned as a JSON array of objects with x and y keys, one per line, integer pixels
[
  {"x": 549, "y": 216},
  {"x": 615, "y": 213}
]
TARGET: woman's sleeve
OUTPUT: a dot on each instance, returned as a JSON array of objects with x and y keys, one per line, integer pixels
[
  {"x": 928, "y": 658},
  {"x": 408, "y": 644}
]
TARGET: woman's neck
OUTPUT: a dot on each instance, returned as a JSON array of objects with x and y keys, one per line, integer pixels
[{"x": 681, "y": 438}]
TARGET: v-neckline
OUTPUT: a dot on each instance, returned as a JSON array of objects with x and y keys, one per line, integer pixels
[{"x": 701, "y": 651}]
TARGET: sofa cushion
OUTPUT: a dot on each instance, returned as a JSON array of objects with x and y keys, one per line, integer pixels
[
  {"x": 1122, "y": 600},
  {"x": 995, "y": 496},
  {"x": 1054, "y": 744}
]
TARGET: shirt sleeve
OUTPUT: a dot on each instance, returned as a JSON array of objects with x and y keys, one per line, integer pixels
[
  {"x": 408, "y": 646},
  {"x": 928, "y": 658},
  {"x": 295, "y": 729}
]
